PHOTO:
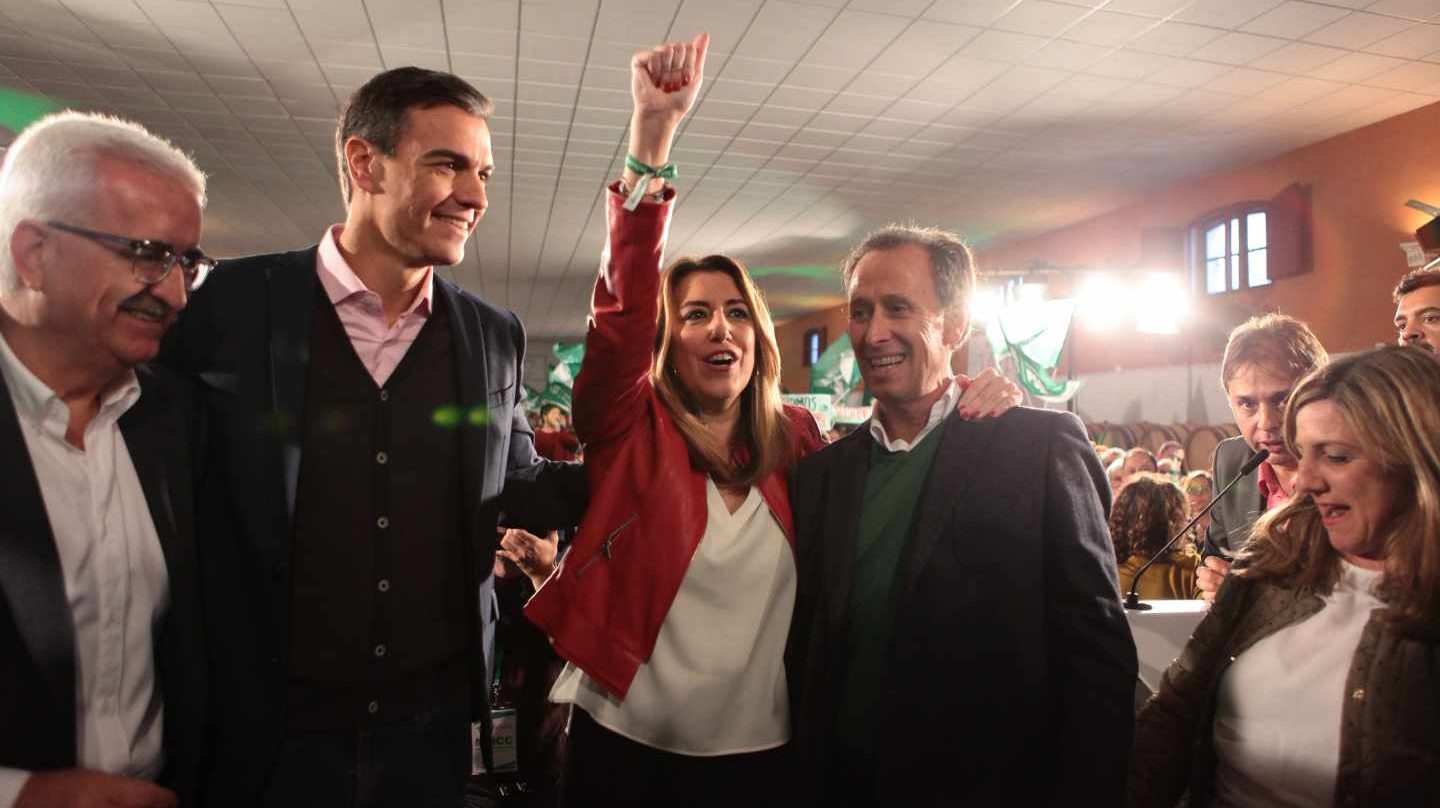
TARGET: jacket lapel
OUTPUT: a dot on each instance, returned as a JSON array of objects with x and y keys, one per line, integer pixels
[
  {"x": 150, "y": 437},
  {"x": 292, "y": 286},
  {"x": 844, "y": 499},
  {"x": 959, "y": 455},
  {"x": 31, "y": 580}
]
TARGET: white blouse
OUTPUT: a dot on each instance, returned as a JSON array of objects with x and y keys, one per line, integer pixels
[
  {"x": 1277, "y": 720},
  {"x": 715, "y": 682}
]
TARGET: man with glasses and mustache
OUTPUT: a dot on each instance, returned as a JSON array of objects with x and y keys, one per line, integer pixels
[{"x": 102, "y": 674}]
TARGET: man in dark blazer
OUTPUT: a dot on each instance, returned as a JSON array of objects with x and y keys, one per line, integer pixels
[
  {"x": 364, "y": 415},
  {"x": 1265, "y": 357},
  {"x": 102, "y": 668},
  {"x": 958, "y": 637}
]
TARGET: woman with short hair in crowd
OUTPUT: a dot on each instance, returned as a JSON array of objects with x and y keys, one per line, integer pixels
[
  {"x": 1315, "y": 678},
  {"x": 1147, "y": 512}
]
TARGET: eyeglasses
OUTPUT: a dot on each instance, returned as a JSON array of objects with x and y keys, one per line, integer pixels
[{"x": 150, "y": 260}]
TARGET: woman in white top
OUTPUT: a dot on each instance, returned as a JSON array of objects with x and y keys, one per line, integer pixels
[
  {"x": 1315, "y": 679},
  {"x": 673, "y": 604}
]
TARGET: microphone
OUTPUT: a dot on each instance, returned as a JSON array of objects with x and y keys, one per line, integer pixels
[{"x": 1132, "y": 598}]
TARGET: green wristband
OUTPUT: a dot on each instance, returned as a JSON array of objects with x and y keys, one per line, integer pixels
[{"x": 665, "y": 172}]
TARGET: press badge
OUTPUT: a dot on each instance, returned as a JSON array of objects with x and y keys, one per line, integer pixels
[{"x": 503, "y": 752}]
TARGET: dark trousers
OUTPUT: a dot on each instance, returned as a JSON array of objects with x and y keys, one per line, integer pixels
[
  {"x": 420, "y": 762},
  {"x": 606, "y": 769}
]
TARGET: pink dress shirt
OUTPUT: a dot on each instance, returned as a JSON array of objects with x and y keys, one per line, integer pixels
[
  {"x": 1270, "y": 490},
  {"x": 380, "y": 345}
]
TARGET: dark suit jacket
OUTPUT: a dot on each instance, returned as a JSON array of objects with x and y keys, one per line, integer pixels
[
  {"x": 1011, "y": 673},
  {"x": 1232, "y": 517},
  {"x": 37, "y": 635},
  {"x": 245, "y": 337}
]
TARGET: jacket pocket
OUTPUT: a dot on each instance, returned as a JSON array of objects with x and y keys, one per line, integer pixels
[{"x": 607, "y": 547}]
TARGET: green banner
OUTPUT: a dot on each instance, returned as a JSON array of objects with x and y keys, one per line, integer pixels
[
  {"x": 836, "y": 372},
  {"x": 1033, "y": 335},
  {"x": 819, "y": 404}
]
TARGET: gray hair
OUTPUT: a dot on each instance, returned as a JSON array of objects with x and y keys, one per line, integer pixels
[
  {"x": 49, "y": 171},
  {"x": 952, "y": 264}
]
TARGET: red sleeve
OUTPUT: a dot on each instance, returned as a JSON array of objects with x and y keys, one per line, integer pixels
[{"x": 613, "y": 378}]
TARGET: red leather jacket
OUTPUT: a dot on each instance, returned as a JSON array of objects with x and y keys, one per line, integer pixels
[{"x": 604, "y": 606}]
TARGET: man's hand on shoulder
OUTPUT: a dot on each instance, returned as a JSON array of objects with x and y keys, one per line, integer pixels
[{"x": 79, "y": 788}]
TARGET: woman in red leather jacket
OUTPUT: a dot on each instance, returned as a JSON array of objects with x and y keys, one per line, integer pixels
[{"x": 673, "y": 604}]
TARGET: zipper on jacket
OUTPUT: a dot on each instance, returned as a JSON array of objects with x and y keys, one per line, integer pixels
[{"x": 606, "y": 546}]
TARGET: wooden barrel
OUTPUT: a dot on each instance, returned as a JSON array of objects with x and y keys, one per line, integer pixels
[
  {"x": 1201, "y": 443},
  {"x": 1116, "y": 435},
  {"x": 1152, "y": 435}
]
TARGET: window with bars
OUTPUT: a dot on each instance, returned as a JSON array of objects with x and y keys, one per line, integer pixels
[{"x": 1235, "y": 251}]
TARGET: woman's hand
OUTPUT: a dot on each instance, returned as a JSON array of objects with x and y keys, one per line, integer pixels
[
  {"x": 987, "y": 395},
  {"x": 533, "y": 555},
  {"x": 664, "y": 83}
]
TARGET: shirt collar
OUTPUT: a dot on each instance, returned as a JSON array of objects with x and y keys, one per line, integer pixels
[
  {"x": 341, "y": 283},
  {"x": 1269, "y": 485},
  {"x": 37, "y": 404},
  {"x": 938, "y": 411}
]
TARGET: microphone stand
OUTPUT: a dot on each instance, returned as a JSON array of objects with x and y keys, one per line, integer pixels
[{"x": 1132, "y": 598}]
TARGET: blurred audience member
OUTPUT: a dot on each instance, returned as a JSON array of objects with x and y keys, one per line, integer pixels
[
  {"x": 1199, "y": 488},
  {"x": 1264, "y": 358},
  {"x": 1171, "y": 450},
  {"x": 1139, "y": 459},
  {"x": 1417, "y": 309},
  {"x": 554, "y": 440},
  {"x": 1110, "y": 454},
  {"x": 1315, "y": 679},
  {"x": 1147, "y": 513},
  {"x": 1168, "y": 466},
  {"x": 1115, "y": 472}
]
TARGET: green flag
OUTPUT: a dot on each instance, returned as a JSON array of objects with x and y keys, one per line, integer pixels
[
  {"x": 836, "y": 372},
  {"x": 1033, "y": 334}
]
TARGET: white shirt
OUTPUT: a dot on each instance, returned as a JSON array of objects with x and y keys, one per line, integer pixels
[
  {"x": 938, "y": 411},
  {"x": 114, "y": 570},
  {"x": 1277, "y": 720},
  {"x": 715, "y": 682}
]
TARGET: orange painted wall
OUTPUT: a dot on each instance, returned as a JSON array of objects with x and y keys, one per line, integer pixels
[
  {"x": 1359, "y": 184},
  {"x": 794, "y": 376}
]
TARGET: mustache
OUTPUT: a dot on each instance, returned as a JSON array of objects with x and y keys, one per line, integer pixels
[{"x": 146, "y": 303}]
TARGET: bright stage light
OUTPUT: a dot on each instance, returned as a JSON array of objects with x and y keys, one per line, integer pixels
[
  {"x": 1161, "y": 304},
  {"x": 1103, "y": 303},
  {"x": 985, "y": 305}
]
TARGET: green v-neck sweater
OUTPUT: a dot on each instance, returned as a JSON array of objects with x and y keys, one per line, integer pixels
[{"x": 887, "y": 522}]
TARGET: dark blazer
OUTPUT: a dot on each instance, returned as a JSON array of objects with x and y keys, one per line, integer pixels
[
  {"x": 37, "y": 635},
  {"x": 245, "y": 338},
  {"x": 1233, "y": 517},
  {"x": 1011, "y": 675}
]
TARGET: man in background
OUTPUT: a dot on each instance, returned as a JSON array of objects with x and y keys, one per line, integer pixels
[
  {"x": 102, "y": 672},
  {"x": 1264, "y": 358},
  {"x": 1417, "y": 309}
]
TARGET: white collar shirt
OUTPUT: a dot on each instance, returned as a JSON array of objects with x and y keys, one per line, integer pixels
[
  {"x": 938, "y": 412},
  {"x": 114, "y": 572}
]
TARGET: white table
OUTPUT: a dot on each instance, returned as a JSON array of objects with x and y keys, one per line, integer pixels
[{"x": 1160, "y": 633}]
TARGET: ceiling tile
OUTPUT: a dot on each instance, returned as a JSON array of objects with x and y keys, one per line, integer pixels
[
  {"x": 1063, "y": 55},
  {"x": 1412, "y": 77},
  {"x": 853, "y": 39},
  {"x": 1298, "y": 59},
  {"x": 1294, "y": 19},
  {"x": 970, "y": 12},
  {"x": 1189, "y": 73},
  {"x": 1175, "y": 39},
  {"x": 784, "y": 30},
  {"x": 1245, "y": 82},
  {"x": 1149, "y": 8},
  {"x": 1356, "y": 67},
  {"x": 1358, "y": 30},
  {"x": 922, "y": 47},
  {"x": 1413, "y": 43},
  {"x": 1225, "y": 13},
  {"x": 1128, "y": 64},
  {"x": 1236, "y": 48},
  {"x": 1003, "y": 46},
  {"x": 1040, "y": 18},
  {"x": 1108, "y": 29},
  {"x": 1411, "y": 9}
]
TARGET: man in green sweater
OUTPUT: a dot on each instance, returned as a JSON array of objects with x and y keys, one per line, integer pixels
[{"x": 958, "y": 637}]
